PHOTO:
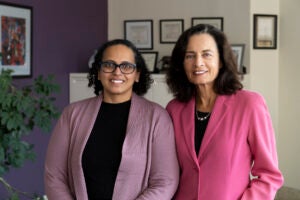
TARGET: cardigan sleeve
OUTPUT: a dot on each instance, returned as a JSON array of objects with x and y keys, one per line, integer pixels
[
  {"x": 164, "y": 170},
  {"x": 56, "y": 172},
  {"x": 267, "y": 178}
]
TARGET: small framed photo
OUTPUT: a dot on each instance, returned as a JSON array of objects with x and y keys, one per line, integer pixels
[
  {"x": 170, "y": 30},
  {"x": 265, "y": 31},
  {"x": 214, "y": 21},
  {"x": 238, "y": 51},
  {"x": 139, "y": 32},
  {"x": 150, "y": 59},
  {"x": 16, "y": 39}
]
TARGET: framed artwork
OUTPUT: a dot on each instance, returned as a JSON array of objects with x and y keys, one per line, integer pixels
[
  {"x": 139, "y": 32},
  {"x": 150, "y": 59},
  {"x": 214, "y": 21},
  {"x": 16, "y": 39},
  {"x": 264, "y": 31},
  {"x": 238, "y": 51},
  {"x": 170, "y": 30}
]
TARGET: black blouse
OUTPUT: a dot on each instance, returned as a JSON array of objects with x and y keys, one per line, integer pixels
[
  {"x": 200, "y": 127},
  {"x": 102, "y": 154}
]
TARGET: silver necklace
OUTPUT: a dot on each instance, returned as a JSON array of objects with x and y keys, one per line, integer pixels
[{"x": 202, "y": 118}]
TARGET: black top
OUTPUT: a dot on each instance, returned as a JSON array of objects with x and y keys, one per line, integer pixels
[
  {"x": 102, "y": 154},
  {"x": 200, "y": 127}
]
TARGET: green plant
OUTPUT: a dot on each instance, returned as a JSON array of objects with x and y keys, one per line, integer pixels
[{"x": 21, "y": 110}]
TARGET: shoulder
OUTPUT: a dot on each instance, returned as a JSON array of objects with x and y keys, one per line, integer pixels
[
  {"x": 177, "y": 106},
  {"x": 247, "y": 97},
  {"x": 245, "y": 100},
  {"x": 248, "y": 94},
  {"x": 142, "y": 102},
  {"x": 175, "y": 103},
  {"x": 84, "y": 105},
  {"x": 84, "y": 102},
  {"x": 147, "y": 108}
]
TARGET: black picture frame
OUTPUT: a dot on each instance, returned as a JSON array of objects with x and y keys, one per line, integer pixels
[
  {"x": 170, "y": 30},
  {"x": 16, "y": 38},
  {"x": 217, "y": 22},
  {"x": 238, "y": 51},
  {"x": 264, "y": 31},
  {"x": 140, "y": 33},
  {"x": 150, "y": 58}
]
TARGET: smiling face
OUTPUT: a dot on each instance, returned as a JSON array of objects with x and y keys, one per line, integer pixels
[
  {"x": 201, "y": 60},
  {"x": 117, "y": 87}
]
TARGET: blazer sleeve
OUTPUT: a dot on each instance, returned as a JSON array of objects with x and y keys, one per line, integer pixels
[
  {"x": 56, "y": 172},
  {"x": 267, "y": 178},
  {"x": 164, "y": 170}
]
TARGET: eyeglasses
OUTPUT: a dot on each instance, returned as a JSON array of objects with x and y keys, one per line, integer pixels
[{"x": 110, "y": 67}]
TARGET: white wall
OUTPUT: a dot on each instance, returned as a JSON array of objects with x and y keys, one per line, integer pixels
[
  {"x": 267, "y": 74},
  {"x": 289, "y": 92},
  {"x": 235, "y": 13},
  {"x": 264, "y": 64}
]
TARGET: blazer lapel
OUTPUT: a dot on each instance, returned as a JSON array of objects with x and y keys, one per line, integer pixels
[
  {"x": 134, "y": 124},
  {"x": 215, "y": 121},
  {"x": 187, "y": 122}
]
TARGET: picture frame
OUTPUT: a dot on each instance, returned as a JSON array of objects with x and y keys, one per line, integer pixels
[
  {"x": 170, "y": 30},
  {"x": 264, "y": 31},
  {"x": 139, "y": 32},
  {"x": 238, "y": 51},
  {"x": 16, "y": 39},
  {"x": 214, "y": 21},
  {"x": 150, "y": 58}
]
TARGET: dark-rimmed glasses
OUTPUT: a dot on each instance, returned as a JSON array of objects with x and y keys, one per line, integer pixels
[{"x": 110, "y": 67}]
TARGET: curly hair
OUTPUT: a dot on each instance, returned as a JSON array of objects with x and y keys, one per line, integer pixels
[
  {"x": 227, "y": 82},
  {"x": 145, "y": 80}
]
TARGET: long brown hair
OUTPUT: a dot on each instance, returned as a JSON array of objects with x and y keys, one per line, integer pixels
[{"x": 227, "y": 81}]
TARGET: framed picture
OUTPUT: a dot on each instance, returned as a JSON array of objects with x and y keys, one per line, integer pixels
[
  {"x": 170, "y": 30},
  {"x": 150, "y": 59},
  {"x": 16, "y": 39},
  {"x": 214, "y": 21},
  {"x": 139, "y": 32},
  {"x": 265, "y": 31},
  {"x": 238, "y": 51}
]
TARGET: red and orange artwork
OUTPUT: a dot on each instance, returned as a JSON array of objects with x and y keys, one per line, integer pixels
[{"x": 13, "y": 41}]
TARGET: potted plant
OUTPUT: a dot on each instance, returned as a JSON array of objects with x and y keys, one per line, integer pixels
[{"x": 21, "y": 110}]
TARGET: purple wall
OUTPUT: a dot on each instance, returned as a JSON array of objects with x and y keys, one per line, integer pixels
[{"x": 65, "y": 34}]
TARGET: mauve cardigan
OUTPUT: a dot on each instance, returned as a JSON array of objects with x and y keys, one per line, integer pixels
[
  {"x": 239, "y": 132},
  {"x": 149, "y": 167}
]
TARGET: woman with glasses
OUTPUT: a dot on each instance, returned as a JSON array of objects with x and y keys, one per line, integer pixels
[
  {"x": 223, "y": 133},
  {"x": 117, "y": 145}
]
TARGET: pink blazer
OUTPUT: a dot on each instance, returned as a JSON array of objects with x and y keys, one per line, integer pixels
[
  {"x": 149, "y": 168},
  {"x": 239, "y": 134}
]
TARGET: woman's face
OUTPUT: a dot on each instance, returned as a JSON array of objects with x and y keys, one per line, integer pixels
[
  {"x": 201, "y": 60},
  {"x": 117, "y": 86}
]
